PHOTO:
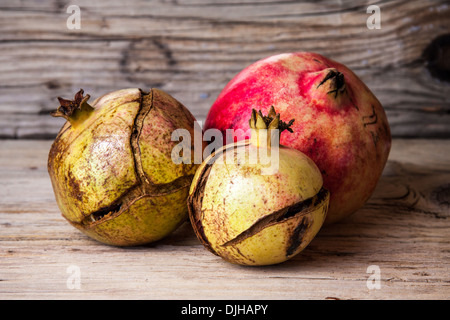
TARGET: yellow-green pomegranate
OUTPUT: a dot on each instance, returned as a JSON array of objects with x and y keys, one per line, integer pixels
[
  {"x": 111, "y": 166},
  {"x": 252, "y": 211}
]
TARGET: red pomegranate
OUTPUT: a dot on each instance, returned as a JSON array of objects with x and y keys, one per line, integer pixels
[{"x": 339, "y": 123}]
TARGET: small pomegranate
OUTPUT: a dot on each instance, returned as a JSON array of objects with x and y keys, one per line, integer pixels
[
  {"x": 251, "y": 212},
  {"x": 111, "y": 166},
  {"x": 339, "y": 123}
]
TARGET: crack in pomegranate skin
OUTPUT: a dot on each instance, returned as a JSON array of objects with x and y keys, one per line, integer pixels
[
  {"x": 105, "y": 212},
  {"x": 138, "y": 192},
  {"x": 301, "y": 208},
  {"x": 146, "y": 104}
]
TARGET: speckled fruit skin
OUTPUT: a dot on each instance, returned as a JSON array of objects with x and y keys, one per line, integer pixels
[
  {"x": 256, "y": 212},
  {"x": 236, "y": 197},
  {"x": 346, "y": 133},
  {"x": 113, "y": 176}
]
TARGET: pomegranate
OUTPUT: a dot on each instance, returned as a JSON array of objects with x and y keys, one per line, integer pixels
[
  {"x": 248, "y": 210},
  {"x": 339, "y": 123},
  {"x": 111, "y": 167}
]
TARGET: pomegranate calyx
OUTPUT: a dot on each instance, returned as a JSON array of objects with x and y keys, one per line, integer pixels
[
  {"x": 265, "y": 129},
  {"x": 336, "y": 82},
  {"x": 271, "y": 121},
  {"x": 75, "y": 111}
]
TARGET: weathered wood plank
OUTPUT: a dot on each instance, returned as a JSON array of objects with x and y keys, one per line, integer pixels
[
  {"x": 403, "y": 229},
  {"x": 191, "y": 49}
]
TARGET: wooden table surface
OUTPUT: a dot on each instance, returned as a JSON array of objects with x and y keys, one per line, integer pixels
[{"x": 403, "y": 232}]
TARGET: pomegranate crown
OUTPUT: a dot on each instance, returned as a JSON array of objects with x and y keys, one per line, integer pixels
[
  {"x": 271, "y": 121},
  {"x": 337, "y": 82},
  {"x": 75, "y": 111}
]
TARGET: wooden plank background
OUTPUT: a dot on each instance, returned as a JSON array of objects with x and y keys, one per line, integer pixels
[{"x": 192, "y": 48}]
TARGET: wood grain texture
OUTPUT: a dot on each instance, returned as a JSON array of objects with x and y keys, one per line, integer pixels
[
  {"x": 404, "y": 229},
  {"x": 192, "y": 48}
]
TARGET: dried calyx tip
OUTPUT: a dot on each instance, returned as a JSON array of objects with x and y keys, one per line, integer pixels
[
  {"x": 76, "y": 110},
  {"x": 337, "y": 82},
  {"x": 271, "y": 121}
]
